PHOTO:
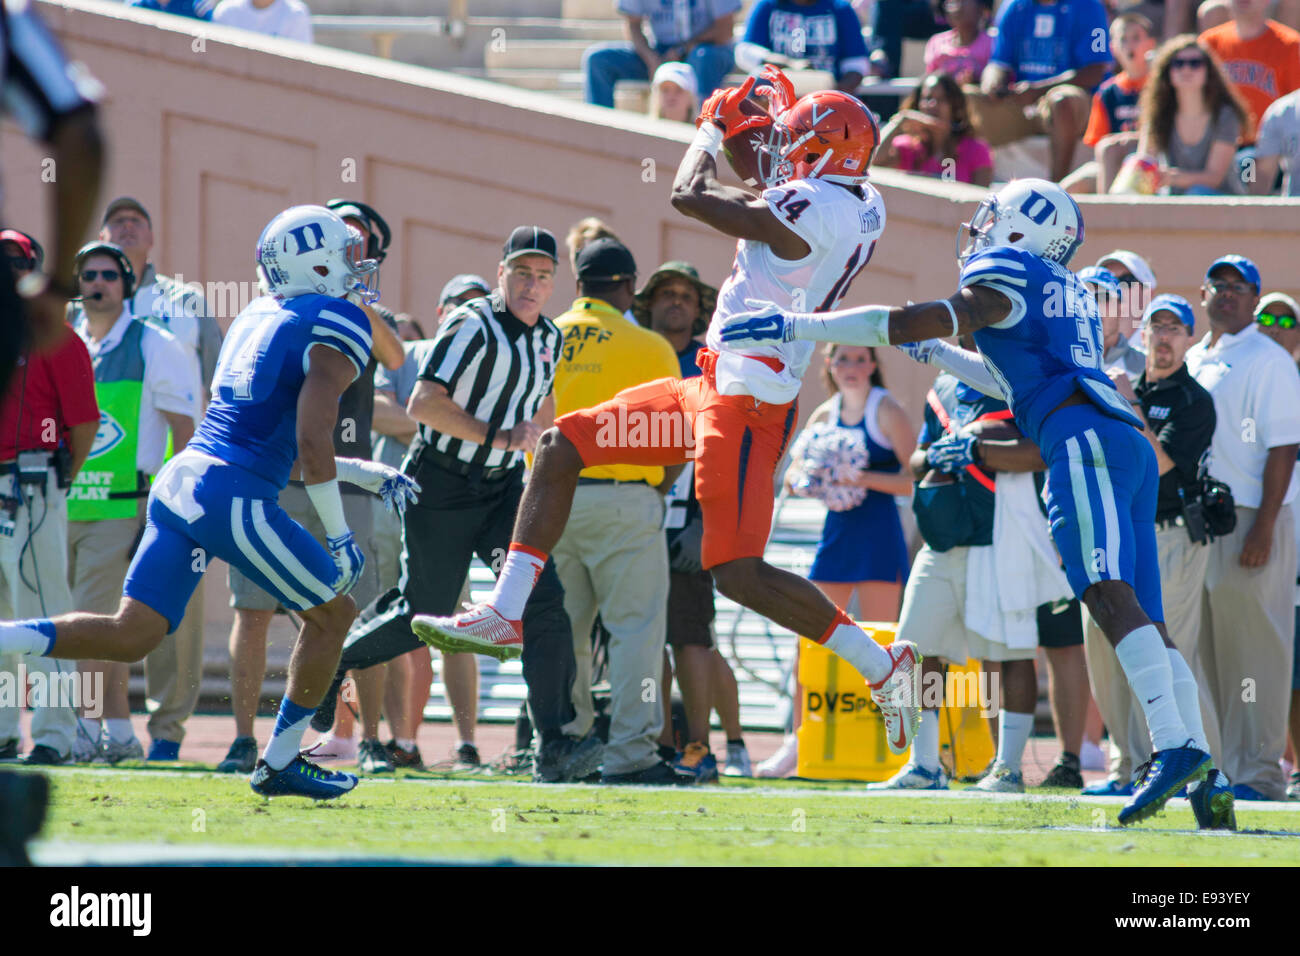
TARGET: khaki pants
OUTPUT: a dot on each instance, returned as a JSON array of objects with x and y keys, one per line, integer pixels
[
  {"x": 173, "y": 672},
  {"x": 1182, "y": 579},
  {"x": 1001, "y": 121},
  {"x": 1248, "y": 646},
  {"x": 44, "y": 566},
  {"x": 613, "y": 559}
]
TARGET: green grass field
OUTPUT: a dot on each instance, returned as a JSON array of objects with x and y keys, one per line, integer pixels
[{"x": 484, "y": 818}]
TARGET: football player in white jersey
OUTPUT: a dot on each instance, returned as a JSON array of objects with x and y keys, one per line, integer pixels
[{"x": 803, "y": 240}]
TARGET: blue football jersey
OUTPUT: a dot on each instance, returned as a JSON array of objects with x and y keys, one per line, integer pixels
[
  {"x": 252, "y": 418},
  {"x": 1050, "y": 344}
]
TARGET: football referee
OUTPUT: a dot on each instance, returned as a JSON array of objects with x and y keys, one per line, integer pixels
[{"x": 482, "y": 400}]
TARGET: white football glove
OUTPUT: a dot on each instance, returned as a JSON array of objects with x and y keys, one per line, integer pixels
[
  {"x": 919, "y": 351},
  {"x": 396, "y": 489}
]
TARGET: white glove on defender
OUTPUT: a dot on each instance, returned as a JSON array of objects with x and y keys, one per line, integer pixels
[{"x": 395, "y": 488}]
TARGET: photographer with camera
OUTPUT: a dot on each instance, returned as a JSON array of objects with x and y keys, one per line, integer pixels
[
  {"x": 48, "y": 420},
  {"x": 1246, "y": 636},
  {"x": 1180, "y": 422}
]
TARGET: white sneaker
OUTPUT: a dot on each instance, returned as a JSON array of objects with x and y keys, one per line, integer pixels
[
  {"x": 115, "y": 751},
  {"x": 899, "y": 696},
  {"x": 331, "y": 748},
  {"x": 913, "y": 777},
  {"x": 1091, "y": 757},
  {"x": 737, "y": 764},
  {"x": 1002, "y": 779},
  {"x": 783, "y": 762}
]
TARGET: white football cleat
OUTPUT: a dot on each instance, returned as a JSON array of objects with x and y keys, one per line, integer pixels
[
  {"x": 480, "y": 629},
  {"x": 783, "y": 762},
  {"x": 899, "y": 696},
  {"x": 1002, "y": 779}
]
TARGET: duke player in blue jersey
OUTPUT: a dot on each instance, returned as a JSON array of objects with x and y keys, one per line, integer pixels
[
  {"x": 1038, "y": 332},
  {"x": 275, "y": 395}
]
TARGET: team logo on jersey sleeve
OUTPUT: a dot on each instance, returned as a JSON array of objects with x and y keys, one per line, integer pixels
[{"x": 108, "y": 436}]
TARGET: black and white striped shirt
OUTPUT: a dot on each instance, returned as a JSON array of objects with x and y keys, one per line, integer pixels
[
  {"x": 37, "y": 84},
  {"x": 496, "y": 368}
]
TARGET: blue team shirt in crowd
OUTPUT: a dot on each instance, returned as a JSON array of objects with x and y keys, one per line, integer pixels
[
  {"x": 827, "y": 33},
  {"x": 1037, "y": 40},
  {"x": 195, "y": 9},
  {"x": 252, "y": 420},
  {"x": 1050, "y": 344}
]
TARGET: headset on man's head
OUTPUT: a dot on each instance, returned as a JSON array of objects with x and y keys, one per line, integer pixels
[
  {"x": 380, "y": 235},
  {"x": 101, "y": 248},
  {"x": 37, "y": 258}
]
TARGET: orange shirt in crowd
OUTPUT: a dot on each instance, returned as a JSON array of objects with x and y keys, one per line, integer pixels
[
  {"x": 1262, "y": 69},
  {"x": 1115, "y": 102}
]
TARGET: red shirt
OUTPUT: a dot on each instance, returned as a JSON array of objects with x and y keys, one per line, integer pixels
[{"x": 54, "y": 387}]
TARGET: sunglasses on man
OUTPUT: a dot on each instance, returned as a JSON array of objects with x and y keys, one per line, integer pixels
[
  {"x": 1268, "y": 320},
  {"x": 110, "y": 275}
]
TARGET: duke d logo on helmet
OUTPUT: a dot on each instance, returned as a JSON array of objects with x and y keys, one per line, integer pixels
[{"x": 309, "y": 237}]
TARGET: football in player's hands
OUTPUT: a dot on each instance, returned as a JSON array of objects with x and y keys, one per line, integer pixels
[{"x": 742, "y": 148}]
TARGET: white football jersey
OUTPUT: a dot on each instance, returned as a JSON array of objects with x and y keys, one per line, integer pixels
[{"x": 841, "y": 231}]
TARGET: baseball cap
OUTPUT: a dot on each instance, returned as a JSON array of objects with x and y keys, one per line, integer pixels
[
  {"x": 1245, "y": 268},
  {"x": 530, "y": 241},
  {"x": 606, "y": 260},
  {"x": 126, "y": 202},
  {"x": 21, "y": 239},
  {"x": 1099, "y": 276},
  {"x": 1134, "y": 263},
  {"x": 1171, "y": 303},
  {"x": 459, "y": 285},
  {"x": 670, "y": 270},
  {"x": 683, "y": 74},
  {"x": 1266, "y": 303}
]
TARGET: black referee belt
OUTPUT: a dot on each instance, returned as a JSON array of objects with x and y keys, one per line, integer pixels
[
  {"x": 465, "y": 469},
  {"x": 141, "y": 491},
  {"x": 611, "y": 481}
]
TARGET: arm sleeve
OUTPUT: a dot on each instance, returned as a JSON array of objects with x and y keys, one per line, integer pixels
[
  {"x": 1277, "y": 400},
  {"x": 342, "y": 326},
  {"x": 76, "y": 382},
  {"x": 759, "y": 28},
  {"x": 966, "y": 366},
  {"x": 1098, "y": 121},
  {"x": 1185, "y": 439},
  {"x": 172, "y": 373},
  {"x": 1269, "y": 141},
  {"x": 1092, "y": 36},
  {"x": 1002, "y": 269},
  {"x": 852, "y": 55},
  {"x": 1004, "y": 44},
  {"x": 302, "y": 29},
  {"x": 39, "y": 85},
  {"x": 457, "y": 344}
]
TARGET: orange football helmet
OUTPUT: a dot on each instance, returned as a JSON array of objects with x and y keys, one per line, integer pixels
[{"x": 825, "y": 135}]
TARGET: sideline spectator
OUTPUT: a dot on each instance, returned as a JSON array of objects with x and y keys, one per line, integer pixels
[
  {"x": 146, "y": 382},
  {"x": 1137, "y": 283},
  {"x": 468, "y": 457},
  {"x": 698, "y": 34},
  {"x": 1189, "y": 96},
  {"x": 1047, "y": 60},
  {"x": 289, "y": 19},
  {"x": 677, "y": 305},
  {"x": 931, "y": 135},
  {"x": 56, "y": 387},
  {"x": 1113, "y": 123},
  {"x": 956, "y": 509},
  {"x": 894, "y": 20},
  {"x": 1117, "y": 352},
  {"x": 394, "y": 430},
  {"x": 173, "y": 671},
  {"x": 1278, "y": 317},
  {"x": 1248, "y": 632},
  {"x": 194, "y": 9},
  {"x": 611, "y": 558},
  {"x": 1180, "y": 422},
  {"x": 966, "y": 49},
  {"x": 672, "y": 93},
  {"x": 1260, "y": 57},
  {"x": 861, "y": 506},
  {"x": 1277, "y": 149},
  {"x": 805, "y": 34}
]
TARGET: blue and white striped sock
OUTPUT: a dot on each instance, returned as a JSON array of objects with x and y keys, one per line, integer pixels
[
  {"x": 34, "y": 636},
  {"x": 290, "y": 724}
]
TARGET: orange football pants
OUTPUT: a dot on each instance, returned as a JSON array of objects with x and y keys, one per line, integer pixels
[{"x": 735, "y": 441}]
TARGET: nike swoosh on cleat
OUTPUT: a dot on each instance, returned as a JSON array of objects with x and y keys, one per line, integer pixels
[{"x": 1155, "y": 698}]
